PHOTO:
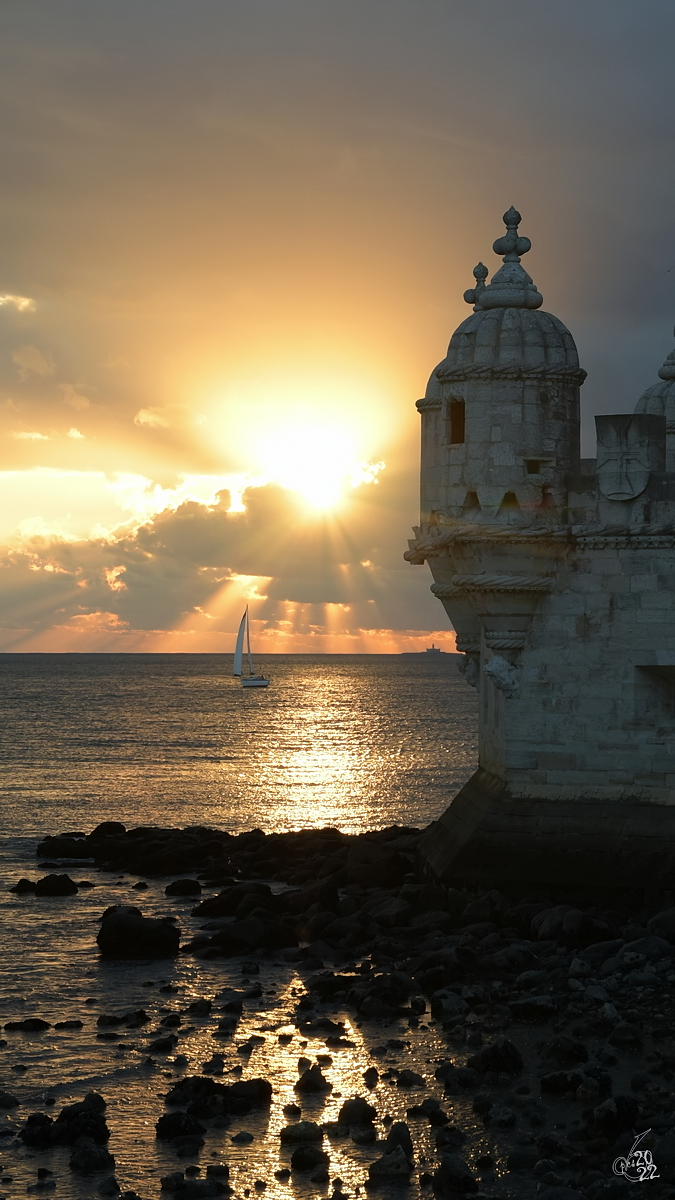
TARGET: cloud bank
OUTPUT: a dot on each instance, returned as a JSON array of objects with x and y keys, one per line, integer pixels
[{"x": 180, "y": 579}]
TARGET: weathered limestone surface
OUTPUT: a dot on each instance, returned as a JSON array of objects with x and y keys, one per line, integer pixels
[{"x": 558, "y": 575}]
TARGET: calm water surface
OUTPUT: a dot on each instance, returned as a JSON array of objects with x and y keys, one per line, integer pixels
[{"x": 357, "y": 742}]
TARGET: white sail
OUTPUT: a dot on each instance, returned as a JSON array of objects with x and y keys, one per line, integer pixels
[
  {"x": 248, "y": 645},
  {"x": 239, "y": 648}
]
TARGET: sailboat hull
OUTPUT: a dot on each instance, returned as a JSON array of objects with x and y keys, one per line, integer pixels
[{"x": 255, "y": 681}]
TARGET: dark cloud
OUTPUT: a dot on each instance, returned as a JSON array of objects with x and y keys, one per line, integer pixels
[{"x": 185, "y": 560}]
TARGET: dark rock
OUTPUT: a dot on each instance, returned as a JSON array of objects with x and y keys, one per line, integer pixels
[
  {"x": 399, "y": 1135},
  {"x": 448, "y": 1137},
  {"x": 447, "y": 1006},
  {"x": 183, "y": 887},
  {"x": 125, "y": 933},
  {"x": 82, "y": 1120},
  {"x": 163, "y": 1045},
  {"x": 559, "y": 1083},
  {"x": 301, "y": 1131},
  {"x": 107, "y": 829},
  {"x": 55, "y": 885},
  {"x": 201, "y": 1007},
  {"x": 7, "y": 1100},
  {"x": 502, "y": 1055},
  {"x": 370, "y": 1077},
  {"x": 236, "y": 900},
  {"x": 392, "y": 911},
  {"x": 394, "y": 1164},
  {"x": 37, "y": 1130},
  {"x": 548, "y": 924},
  {"x": 88, "y": 1156},
  {"x": 306, "y": 1158},
  {"x": 490, "y": 907},
  {"x": 24, "y": 887},
  {"x": 410, "y": 1079},
  {"x": 68, "y": 1025},
  {"x": 613, "y": 1116},
  {"x": 207, "y": 1098},
  {"x": 625, "y": 1034},
  {"x": 313, "y": 1080},
  {"x": 664, "y": 1153},
  {"x": 566, "y": 1051},
  {"x": 169, "y": 1183},
  {"x": 453, "y": 1175},
  {"x": 109, "y": 1187},
  {"x": 63, "y": 846},
  {"x": 522, "y": 1158},
  {"x": 483, "y": 1102},
  {"x": 243, "y": 1138},
  {"x": 561, "y": 1193},
  {"x": 133, "y": 1019},
  {"x": 534, "y": 1008},
  {"x": 28, "y": 1025},
  {"x": 177, "y": 1125},
  {"x": 431, "y": 1109},
  {"x": 356, "y": 1111},
  {"x": 663, "y": 924}
]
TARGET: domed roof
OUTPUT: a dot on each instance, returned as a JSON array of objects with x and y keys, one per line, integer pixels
[
  {"x": 659, "y": 399},
  {"x": 507, "y": 336}
]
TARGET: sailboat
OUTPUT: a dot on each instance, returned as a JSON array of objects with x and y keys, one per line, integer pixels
[{"x": 250, "y": 680}]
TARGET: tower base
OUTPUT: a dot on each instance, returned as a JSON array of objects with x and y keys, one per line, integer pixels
[{"x": 487, "y": 837}]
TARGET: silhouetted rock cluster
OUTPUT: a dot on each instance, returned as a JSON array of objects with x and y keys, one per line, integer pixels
[
  {"x": 555, "y": 1010},
  {"x": 126, "y": 933}
]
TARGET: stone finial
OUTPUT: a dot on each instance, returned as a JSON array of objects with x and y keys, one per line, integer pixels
[
  {"x": 511, "y": 245},
  {"x": 511, "y": 286},
  {"x": 667, "y": 371},
  {"x": 472, "y": 295}
]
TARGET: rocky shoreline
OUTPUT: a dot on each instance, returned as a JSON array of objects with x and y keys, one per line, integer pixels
[{"x": 550, "y": 1017}]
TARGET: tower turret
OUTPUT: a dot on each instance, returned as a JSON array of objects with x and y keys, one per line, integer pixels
[{"x": 500, "y": 418}]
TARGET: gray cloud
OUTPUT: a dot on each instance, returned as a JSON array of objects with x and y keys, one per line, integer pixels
[{"x": 181, "y": 561}]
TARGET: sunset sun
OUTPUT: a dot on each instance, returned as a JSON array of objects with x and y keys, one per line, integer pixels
[{"x": 318, "y": 461}]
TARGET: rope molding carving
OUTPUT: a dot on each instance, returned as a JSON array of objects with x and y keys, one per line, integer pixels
[
  {"x": 427, "y": 405},
  {"x": 481, "y": 371},
  {"x": 502, "y": 583},
  {"x": 506, "y": 641},
  {"x": 468, "y": 644},
  {"x": 629, "y": 542}
]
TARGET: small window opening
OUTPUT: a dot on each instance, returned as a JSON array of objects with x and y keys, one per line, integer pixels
[
  {"x": 455, "y": 422},
  {"x": 533, "y": 466},
  {"x": 471, "y": 505},
  {"x": 547, "y": 498},
  {"x": 509, "y": 504},
  {"x": 655, "y": 696}
]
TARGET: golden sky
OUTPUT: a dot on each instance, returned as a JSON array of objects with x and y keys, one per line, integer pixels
[{"x": 234, "y": 237}]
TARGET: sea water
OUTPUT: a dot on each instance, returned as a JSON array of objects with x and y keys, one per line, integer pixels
[{"x": 356, "y": 741}]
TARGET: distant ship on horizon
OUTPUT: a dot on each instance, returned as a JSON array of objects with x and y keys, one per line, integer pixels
[{"x": 432, "y": 649}]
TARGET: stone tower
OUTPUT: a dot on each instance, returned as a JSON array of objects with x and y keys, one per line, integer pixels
[{"x": 557, "y": 575}]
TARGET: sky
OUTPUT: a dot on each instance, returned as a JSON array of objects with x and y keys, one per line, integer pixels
[{"x": 234, "y": 238}]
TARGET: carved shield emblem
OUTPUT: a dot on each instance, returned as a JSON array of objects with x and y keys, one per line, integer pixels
[{"x": 625, "y": 455}]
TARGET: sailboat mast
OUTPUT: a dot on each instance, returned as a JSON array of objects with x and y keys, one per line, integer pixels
[
  {"x": 239, "y": 646},
  {"x": 248, "y": 644}
]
